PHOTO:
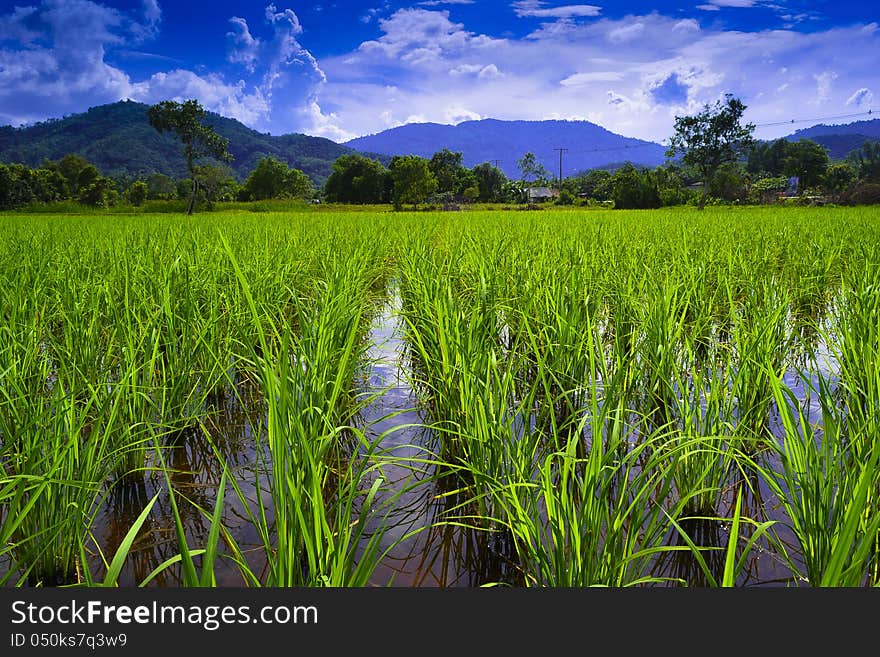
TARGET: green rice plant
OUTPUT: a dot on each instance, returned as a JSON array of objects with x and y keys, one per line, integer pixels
[
  {"x": 320, "y": 506},
  {"x": 760, "y": 343},
  {"x": 592, "y": 521},
  {"x": 828, "y": 495}
]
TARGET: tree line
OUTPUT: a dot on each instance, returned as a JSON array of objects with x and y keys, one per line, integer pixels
[{"x": 712, "y": 159}]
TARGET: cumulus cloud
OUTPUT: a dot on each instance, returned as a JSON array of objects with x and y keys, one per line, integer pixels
[
  {"x": 861, "y": 98},
  {"x": 243, "y": 46},
  {"x": 632, "y": 75},
  {"x": 53, "y": 60}
]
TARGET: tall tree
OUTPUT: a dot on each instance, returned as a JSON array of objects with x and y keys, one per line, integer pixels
[
  {"x": 413, "y": 180},
  {"x": 711, "y": 138},
  {"x": 807, "y": 160},
  {"x": 199, "y": 140},
  {"x": 448, "y": 168},
  {"x": 272, "y": 178},
  {"x": 490, "y": 181},
  {"x": 532, "y": 171},
  {"x": 358, "y": 179}
]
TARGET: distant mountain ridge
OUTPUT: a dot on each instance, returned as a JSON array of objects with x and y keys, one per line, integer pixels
[
  {"x": 840, "y": 139},
  {"x": 587, "y": 145},
  {"x": 119, "y": 140}
]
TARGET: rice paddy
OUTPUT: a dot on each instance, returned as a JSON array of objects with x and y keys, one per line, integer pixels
[{"x": 547, "y": 398}]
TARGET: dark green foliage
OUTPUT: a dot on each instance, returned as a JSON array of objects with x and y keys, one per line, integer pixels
[
  {"x": 137, "y": 193},
  {"x": 274, "y": 179},
  {"x": 490, "y": 182},
  {"x": 867, "y": 161},
  {"x": 633, "y": 189},
  {"x": 839, "y": 177},
  {"x": 711, "y": 138},
  {"x": 413, "y": 180},
  {"x": 807, "y": 160},
  {"x": 448, "y": 169},
  {"x": 595, "y": 184},
  {"x": 729, "y": 184},
  {"x": 71, "y": 179},
  {"x": 358, "y": 179}
]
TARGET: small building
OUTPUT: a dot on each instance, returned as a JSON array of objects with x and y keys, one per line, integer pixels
[{"x": 541, "y": 193}]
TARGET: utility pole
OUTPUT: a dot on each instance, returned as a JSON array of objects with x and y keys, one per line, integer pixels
[
  {"x": 496, "y": 162},
  {"x": 561, "y": 151}
]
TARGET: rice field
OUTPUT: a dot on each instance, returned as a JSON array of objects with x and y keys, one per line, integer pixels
[{"x": 555, "y": 398}]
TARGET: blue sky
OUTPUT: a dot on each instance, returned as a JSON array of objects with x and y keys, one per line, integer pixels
[{"x": 346, "y": 69}]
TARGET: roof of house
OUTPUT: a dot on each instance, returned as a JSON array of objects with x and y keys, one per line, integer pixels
[{"x": 539, "y": 192}]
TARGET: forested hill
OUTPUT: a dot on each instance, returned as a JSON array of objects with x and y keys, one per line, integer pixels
[{"x": 118, "y": 139}]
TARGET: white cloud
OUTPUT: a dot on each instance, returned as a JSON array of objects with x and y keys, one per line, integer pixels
[
  {"x": 482, "y": 71},
  {"x": 581, "y": 79},
  {"x": 861, "y": 98},
  {"x": 658, "y": 66},
  {"x": 715, "y": 5},
  {"x": 626, "y": 32},
  {"x": 823, "y": 85},
  {"x": 538, "y": 9},
  {"x": 243, "y": 46}
]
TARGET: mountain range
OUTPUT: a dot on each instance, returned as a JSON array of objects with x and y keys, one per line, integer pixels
[
  {"x": 586, "y": 145},
  {"x": 119, "y": 140}
]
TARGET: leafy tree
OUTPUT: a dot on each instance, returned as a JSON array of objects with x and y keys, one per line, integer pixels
[
  {"x": 807, "y": 160},
  {"x": 768, "y": 157},
  {"x": 729, "y": 184},
  {"x": 596, "y": 184},
  {"x": 565, "y": 198},
  {"x": 99, "y": 192},
  {"x": 71, "y": 166},
  {"x": 199, "y": 140},
  {"x": 161, "y": 187},
  {"x": 448, "y": 169},
  {"x": 216, "y": 183},
  {"x": 839, "y": 177},
  {"x": 532, "y": 171},
  {"x": 137, "y": 193},
  {"x": 358, "y": 179},
  {"x": 767, "y": 190},
  {"x": 711, "y": 138},
  {"x": 866, "y": 161},
  {"x": 412, "y": 178},
  {"x": 634, "y": 189},
  {"x": 670, "y": 186},
  {"x": 271, "y": 178},
  {"x": 489, "y": 181}
]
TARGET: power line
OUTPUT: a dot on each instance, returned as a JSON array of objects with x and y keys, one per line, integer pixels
[{"x": 820, "y": 118}]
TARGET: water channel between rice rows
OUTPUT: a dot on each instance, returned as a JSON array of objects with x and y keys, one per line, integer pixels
[{"x": 435, "y": 554}]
